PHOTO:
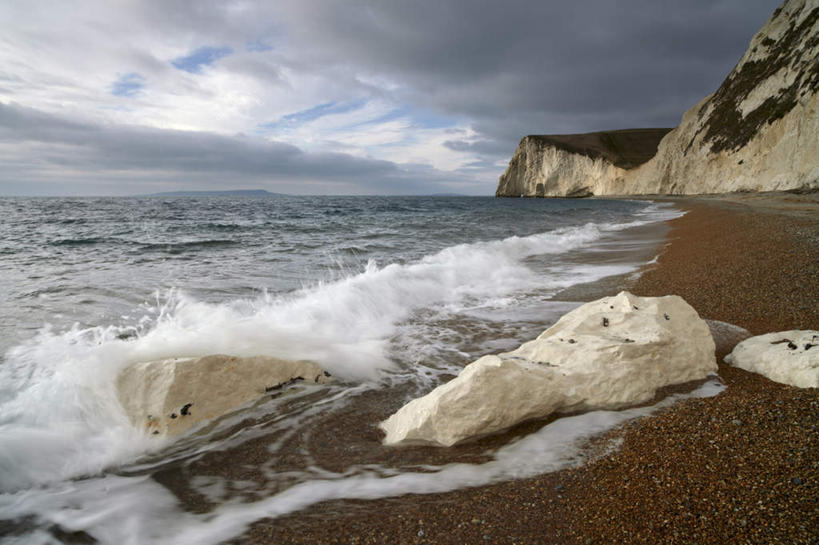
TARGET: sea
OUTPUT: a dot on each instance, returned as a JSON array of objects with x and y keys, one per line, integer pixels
[{"x": 391, "y": 295}]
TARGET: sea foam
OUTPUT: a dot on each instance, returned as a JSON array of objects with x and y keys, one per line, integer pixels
[
  {"x": 136, "y": 510},
  {"x": 59, "y": 414}
]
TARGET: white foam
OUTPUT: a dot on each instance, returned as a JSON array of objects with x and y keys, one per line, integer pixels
[
  {"x": 59, "y": 415},
  {"x": 137, "y": 510}
]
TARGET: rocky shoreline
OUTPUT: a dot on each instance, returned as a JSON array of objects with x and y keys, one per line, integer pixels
[{"x": 740, "y": 467}]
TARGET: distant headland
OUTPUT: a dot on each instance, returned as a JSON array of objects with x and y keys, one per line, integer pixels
[{"x": 224, "y": 193}]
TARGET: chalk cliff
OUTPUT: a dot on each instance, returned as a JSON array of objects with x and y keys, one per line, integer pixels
[
  {"x": 576, "y": 165},
  {"x": 758, "y": 132}
]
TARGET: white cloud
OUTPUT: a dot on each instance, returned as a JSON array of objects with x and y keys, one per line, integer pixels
[
  {"x": 56, "y": 66},
  {"x": 425, "y": 74}
]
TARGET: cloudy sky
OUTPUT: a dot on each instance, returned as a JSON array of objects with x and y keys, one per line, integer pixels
[{"x": 119, "y": 97}]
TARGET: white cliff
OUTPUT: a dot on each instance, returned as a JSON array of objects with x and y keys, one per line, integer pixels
[
  {"x": 168, "y": 397},
  {"x": 576, "y": 165},
  {"x": 610, "y": 353},
  {"x": 540, "y": 169},
  {"x": 758, "y": 132}
]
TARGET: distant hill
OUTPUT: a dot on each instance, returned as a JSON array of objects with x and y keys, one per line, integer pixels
[{"x": 226, "y": 193}]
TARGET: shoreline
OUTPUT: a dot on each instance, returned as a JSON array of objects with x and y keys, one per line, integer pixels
[
  {"x": 746, "y": 259},
  {"x": 738, "y": 467}
]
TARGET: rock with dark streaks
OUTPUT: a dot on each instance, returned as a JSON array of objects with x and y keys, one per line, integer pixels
[
  {"x": 215, "y": 385},
  {"x": 783, "y": 357},
  {"x": 595, "y": 369}
]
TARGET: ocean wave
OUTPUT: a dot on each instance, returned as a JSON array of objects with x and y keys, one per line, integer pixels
[
  {"x": 178, "y": 247},
  {"x": 60, "y": 414},
  {"x": 225, "y": 227},
  {"x": 84, "y": 241},
  {"x": 120, "y": 509}
]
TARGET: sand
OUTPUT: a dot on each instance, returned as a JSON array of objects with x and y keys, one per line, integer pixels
[
  {"x": 742, "y": 262},
  {"x": 742, "y": 467}
]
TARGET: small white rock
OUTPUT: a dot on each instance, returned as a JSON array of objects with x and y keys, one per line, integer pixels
[{"x": 789, "y": 357}]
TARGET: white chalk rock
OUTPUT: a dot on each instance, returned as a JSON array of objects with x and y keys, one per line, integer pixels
[
  {"x": 789, "y": 357},
  {"x": 167, "y": 397},
  {"x": 609, "y": 353}
]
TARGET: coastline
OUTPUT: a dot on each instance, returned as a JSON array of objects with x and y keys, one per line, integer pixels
[
  {"x": 746, "y": 259},
  {"x": 738, "y": 467}
]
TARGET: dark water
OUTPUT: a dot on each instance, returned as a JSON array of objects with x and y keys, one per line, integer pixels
[{"x": 391, "y": 294}]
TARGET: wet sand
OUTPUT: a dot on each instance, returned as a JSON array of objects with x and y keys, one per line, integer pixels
[{"x": 741, "y": 467}]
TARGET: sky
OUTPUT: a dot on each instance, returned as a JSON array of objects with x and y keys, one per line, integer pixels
[{"x": 124, "y": 97}]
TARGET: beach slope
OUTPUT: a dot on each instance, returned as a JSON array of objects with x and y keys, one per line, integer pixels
[{"x": 736, "y": 468}]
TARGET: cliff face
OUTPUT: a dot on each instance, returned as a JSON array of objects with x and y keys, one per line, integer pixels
[
  {"x": 758, "y": 132},
  {"x": 576, "y": 165}
]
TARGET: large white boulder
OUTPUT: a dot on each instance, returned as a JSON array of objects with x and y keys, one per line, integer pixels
[
  {"x": 789, "y": 357},
  {"x": 167, "y": 397},
  {"x": 609, "y": 353}
]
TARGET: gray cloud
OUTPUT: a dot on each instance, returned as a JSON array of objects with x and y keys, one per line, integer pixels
[
  {"x": 522, "y": 67},
  {"x": 481, "y": 147},
  {"x": 502, "y": 68},
  {"x": 148, "y": 158}
]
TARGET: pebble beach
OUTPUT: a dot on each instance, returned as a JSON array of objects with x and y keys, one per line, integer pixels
[{"x": 740, "y": 467}]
